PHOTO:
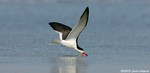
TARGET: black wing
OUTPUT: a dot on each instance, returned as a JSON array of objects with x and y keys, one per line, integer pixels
[{"x": 65, "y": 30}]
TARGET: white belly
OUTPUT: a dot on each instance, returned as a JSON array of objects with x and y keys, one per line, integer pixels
[{"x": 69, "y": 43}]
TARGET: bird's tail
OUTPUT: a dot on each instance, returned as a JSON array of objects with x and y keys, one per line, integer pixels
[{"x": 54, "y": 42}]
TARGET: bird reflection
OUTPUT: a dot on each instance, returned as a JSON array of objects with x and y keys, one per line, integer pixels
[{"x": 69, "y": 64}]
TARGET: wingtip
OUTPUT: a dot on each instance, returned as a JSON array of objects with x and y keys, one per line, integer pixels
[
  {"x": 87, "y": 9},
  {"x": 51, "y": 23}
]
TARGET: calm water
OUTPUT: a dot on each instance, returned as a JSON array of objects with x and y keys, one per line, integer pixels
[{"x": 117, "y": 36}]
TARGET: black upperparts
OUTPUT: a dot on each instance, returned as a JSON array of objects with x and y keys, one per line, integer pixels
[
  {"x": 65, "y": 30},
  {"x": 59, "y": 27}
]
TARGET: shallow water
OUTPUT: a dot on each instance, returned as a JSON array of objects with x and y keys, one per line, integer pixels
[{"x": 116, "y": 38}]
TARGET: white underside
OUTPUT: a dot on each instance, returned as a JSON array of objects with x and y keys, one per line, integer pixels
[{"x": 69, "y": 43}]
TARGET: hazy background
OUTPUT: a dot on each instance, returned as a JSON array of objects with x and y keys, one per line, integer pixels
[{"x": 116, "y": 37}]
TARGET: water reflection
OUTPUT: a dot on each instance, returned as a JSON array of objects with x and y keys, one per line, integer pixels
[{"x": 69, "y": 64}]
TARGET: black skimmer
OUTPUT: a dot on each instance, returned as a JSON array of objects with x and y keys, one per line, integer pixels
[{"x": 69, "y": 36}]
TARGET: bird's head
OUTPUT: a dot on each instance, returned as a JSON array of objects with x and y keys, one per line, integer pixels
[{"x": 84, "y": 54}]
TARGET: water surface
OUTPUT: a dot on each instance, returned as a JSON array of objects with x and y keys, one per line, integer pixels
[{"x": 116, "y": 37}]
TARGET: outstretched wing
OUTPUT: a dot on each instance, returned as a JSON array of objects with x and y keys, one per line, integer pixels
[
  {"x": 62, "y": 29},
  {"x": 81, "y": 25}
]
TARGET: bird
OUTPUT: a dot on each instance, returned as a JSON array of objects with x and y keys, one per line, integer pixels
[{"x": 68, "y": 36}]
